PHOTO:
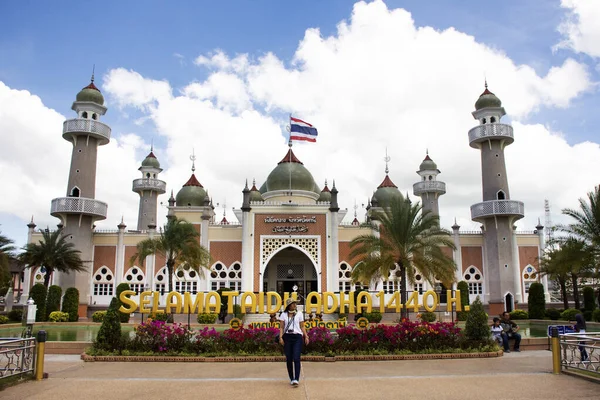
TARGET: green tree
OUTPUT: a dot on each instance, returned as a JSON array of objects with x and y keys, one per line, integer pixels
[
  {"x": 551, "y": 264},
  {"x": 109, "y": 335},
  {"x": 587, "y": 220},
  {"x": 408, "y": 238},
  {"x": 463, "y": 286},
  {"x": 38, "y": 295},
  {"x": 53, "y": 300},
  {"x": 123, "y": 317},
  {"x": 6, "y": 254},
  {"x": 179, "y": 244},
  {"x": 54, "y": 253},
  {"x": 536, "y": 301},
  {"x": 476, "y": 326},
  {"x": 70, "y": 304},
  {"x": 589, "y": 301},
  {"x": 576, "y": 256}
]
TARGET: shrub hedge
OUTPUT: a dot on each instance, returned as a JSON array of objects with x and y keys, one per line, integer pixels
[
  {"x": 58, "y": 316},
  {"x": 121, "y": 287},
  {"x": 476, "y": 326},
  {"x": 596, "y": 315},
  {"x": 3, "y": 319},
  {"x": 553, "y": 314},
  {"x": 463, "y": 286},
  {"x": 38, "y": 294},
  {"x": 15, "y": 315},
  {"x": 70, "y": 304},
  {"x": 109, "y": 335},
  {"x": 519, "y": 314},
  {"x": 536, "y": 301},
  {"x": 207, "y": 318},
  {"x": 569, "y": 314},
  {"x": 53, "y": 300},
  {"x": 428, "y": 316}
]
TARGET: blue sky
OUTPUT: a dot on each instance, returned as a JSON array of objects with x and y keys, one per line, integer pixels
[{"x": 48, "y": 48}]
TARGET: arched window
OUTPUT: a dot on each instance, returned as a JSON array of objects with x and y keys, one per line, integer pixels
[
  {"x": 75, "y": 192},
  {"x": 223, "y": 277},
  {"x": 392, "y": 284},
  {"x": 39, "y": 275},
  {"x": 474, "y": 279},
  {"x": 530, "y": 275},
  {"x": 161, "y": 280},
  {"x": 345, "y": 278},
  {"x": 94, "y": 116},
  {"x": 418, "y": 284},
  {"x": 84, "y": 114},
  {"x": 186, "y": 280},
  {"x": 430, "y": 177},
  {"x": 135, "y": 277},
  {"x": 493, "y": 119},
  {"x": 148, "y": 175},
  {"x": 508, "y": 302},
  {"x": 103, "y": 282},
  {"x": 483, "y": 121},
  {"x": 500, "y": 195}
]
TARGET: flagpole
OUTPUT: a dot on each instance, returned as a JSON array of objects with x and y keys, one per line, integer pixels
[{"x": 290, "y": 152}]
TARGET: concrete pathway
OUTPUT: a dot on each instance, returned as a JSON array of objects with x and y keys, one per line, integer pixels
[{"x": 520, "y": 376}]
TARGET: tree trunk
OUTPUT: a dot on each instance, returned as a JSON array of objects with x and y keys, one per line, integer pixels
[
  {"x": 47, "y": 278},
  {"x": 563, "y": 292},
  {"x": 170, "y": 264},
  {"x": 575, "y": 290},
  {"x": 403, "y": 293}
]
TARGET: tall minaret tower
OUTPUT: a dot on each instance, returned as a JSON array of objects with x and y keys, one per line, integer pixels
[
  {"x": 79, "y": 210},
  {"x": 497, "y": 213},
  {"x": 429, "y": 188},
  {"x": 148, "y": 187}
]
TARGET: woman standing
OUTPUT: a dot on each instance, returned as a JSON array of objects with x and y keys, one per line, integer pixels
[{"x": 291, "y": 332}]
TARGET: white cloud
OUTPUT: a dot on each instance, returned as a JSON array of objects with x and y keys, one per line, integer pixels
[
  {"x": 580, "y": 27},
  {"x": 379, "y": 82}
]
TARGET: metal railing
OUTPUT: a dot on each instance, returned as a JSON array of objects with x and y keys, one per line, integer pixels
[
  {"x": 580, "y": 351},
  {"x": 497, "y": 207},
  {"x": 89, "y": 126},
  {"x": 149, "y": 184},
  {"x": 496, "y": 131},
  {"x": 79, "y": 205},
  {"x": 429, "y": 186},
  {"x": 17, "y": 356}
]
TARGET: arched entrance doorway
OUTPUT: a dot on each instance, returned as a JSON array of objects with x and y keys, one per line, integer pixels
[
  {"x": 508, "y": 302},
  {"x": 290, "y": 267}
]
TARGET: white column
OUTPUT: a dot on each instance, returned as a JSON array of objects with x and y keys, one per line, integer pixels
[
  {"x": 27, "y": 271},
  {"x": 457, "y": 252},
  {"x": 334, "y": 255},
  {"x": 541, "y": 249},
  {"x": 484, "y": 267},
  {"x": 519, "y": 295},
  {"x": 120, "y": 261},
  {"x": 247, "y": 262},
  {"x": 150, "y": 261}
]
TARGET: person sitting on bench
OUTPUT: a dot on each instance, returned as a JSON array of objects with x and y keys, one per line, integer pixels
[{"x": 509, "y": 332}]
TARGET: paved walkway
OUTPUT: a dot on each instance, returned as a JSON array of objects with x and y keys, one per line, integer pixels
[{"x": 520, "y": 376}]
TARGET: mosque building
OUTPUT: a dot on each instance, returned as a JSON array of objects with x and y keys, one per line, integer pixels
[{"x": 289, "y": 232}]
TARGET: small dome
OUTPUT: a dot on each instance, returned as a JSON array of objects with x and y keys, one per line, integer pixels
[
  {"x": 255, "y": 194},
  {"x": 427, "y": 164},
  {"x": 191, "y": 194},
  {"x": 386, "y": 192},
  {"x": 151, "y": 161},
  {"x": 91, "y": 93},
  {"x": 290, "y": 168},
  {"x": 487, "y": 99},
  {"x": 325, "y": 194}
]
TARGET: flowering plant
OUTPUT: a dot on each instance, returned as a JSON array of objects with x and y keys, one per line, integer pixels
[{"x": 158, "y": 336}]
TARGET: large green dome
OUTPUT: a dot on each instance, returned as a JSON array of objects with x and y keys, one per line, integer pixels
[
  {"x": 487, "y": 99},
  {"x": 427, "y": 164},
  {"x": 151, "y": 161},
  {"x": 90, "y": 93},
  {"x": 255, "y": 194},
  {"x": 290, "y": 173},
  {"x": 191, "y": 194},
  {"x": 325, "y": 194},
  {"x": 386, "y": 192}
]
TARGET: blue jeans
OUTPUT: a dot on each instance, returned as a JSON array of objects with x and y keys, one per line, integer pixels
[
  {"x": 506, "y": 338},
  {"x": 292, "y": 347}
]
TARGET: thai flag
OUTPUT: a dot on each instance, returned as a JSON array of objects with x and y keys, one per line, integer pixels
[{"x": 300, "y": 130}]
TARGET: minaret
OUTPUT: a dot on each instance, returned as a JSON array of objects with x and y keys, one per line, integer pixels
[
  {"x": 497, "y": 213},
  {"x": 429, "y": 188},
  {"x": 148, "y": 187},
  {"x": 79, "y": 210}
]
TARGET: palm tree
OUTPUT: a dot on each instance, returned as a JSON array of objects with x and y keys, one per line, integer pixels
[
  {"x": 6, "y": 254},
  {"x": 552, "y": 265},
  {"x": 179, "y": 243},
  {"x": 408, "y": 238},
  {"x": 54, "y": 253},
  {"x": 587, "y": 220}
]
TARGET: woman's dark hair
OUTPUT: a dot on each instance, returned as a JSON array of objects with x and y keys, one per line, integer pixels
[
  {"x": 580, "y": 322},
  {"x": 496, "y": 319}
]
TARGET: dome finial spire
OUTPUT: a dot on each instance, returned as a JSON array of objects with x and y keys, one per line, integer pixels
[
  {"x": 387, "y": 160},
  {"x": 193, "y": 159},
  {"x": 485, "y": 84},
  {"x": 152, "y": 145},
  {"x": 93, "y": 70}
]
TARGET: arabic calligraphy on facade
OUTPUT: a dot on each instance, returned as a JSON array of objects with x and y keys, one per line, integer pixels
[{"x": 293, "y": 220}]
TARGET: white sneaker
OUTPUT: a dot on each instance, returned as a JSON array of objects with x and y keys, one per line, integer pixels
[{"x": 294, "y": 383}]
